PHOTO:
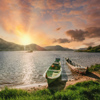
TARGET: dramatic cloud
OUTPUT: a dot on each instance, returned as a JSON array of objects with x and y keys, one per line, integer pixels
[
  {"x": 13, "y": 14},
  {"x": 89, "y": 44},
  {"x": 75, "y": 12},
  {"x": 80, "y": 35},
  {"x": 79, "y": 3},
  {"x": 39, "y": 4},
  {"x": 93, "y": 32},
  {"x": 58, "y": 29},
  {"x": 60, "y": 40},
  {"x": 54, "y": 4},
  {"x": 76, "y": 35},
  {"x": 39, "y": 18},
  {"x": 68, "y": 4}
]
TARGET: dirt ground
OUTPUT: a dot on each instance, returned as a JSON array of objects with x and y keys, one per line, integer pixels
[
  {"x": 77, "y": 78},
  {"x": 80, "y": 78}
]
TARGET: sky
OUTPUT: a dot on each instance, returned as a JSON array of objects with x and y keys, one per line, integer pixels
[{"x": 69, "y": 23}]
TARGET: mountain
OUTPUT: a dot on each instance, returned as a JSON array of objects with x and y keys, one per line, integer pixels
[
  {"x": 9, "y": 46},
  {"x": 4, "y": 45},
  {"x": 57, "y": 48},
  {"x": 35, "y": 47}
]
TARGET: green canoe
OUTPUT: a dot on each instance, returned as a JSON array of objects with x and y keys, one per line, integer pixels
[{"x": 53, "y": 72}]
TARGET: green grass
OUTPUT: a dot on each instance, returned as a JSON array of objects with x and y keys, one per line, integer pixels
[
  {"x": 12, "y": 93},
  {"x": 95, "y": 67},
  {"x": 89, "y": 90}
]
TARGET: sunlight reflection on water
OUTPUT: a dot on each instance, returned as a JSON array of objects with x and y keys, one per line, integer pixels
[{"x": 28, "y": 68}]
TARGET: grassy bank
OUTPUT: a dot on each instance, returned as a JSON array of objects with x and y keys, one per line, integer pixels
[
  {"x": 95, "y": 68},
  {"x": 91, "y": 49},
  {"x": 89, "y": 90}
]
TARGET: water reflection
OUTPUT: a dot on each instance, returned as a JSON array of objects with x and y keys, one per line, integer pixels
[{"x": 28, "y": 68}]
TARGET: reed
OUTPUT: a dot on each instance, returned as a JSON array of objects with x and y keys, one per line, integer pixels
[{"x": 95, "y": 67}]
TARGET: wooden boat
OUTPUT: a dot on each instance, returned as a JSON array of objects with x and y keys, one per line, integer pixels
[
  {"x": 76, "y": 67},
  {"x": 53, "y": 72}
]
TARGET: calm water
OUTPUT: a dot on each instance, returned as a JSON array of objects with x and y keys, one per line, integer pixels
[{"x": 28, "y": 68}]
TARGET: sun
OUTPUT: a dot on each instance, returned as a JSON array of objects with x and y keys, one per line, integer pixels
[{"x": 26, "y": 39}]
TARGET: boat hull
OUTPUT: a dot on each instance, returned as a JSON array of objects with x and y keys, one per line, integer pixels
[
  {"x": 53, "y": 73},
  {"x": 53, "y": 81},
  {"x": 78, "y": 70}
]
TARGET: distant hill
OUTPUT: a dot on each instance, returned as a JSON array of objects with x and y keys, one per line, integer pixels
[
  {"x": 35, "y": 47},
  {"x": 91, "y": 49},
  {"x": 9, "y": 46},
  {"x": 4, "y": 45},
  {"x": 57, "y": 48}
]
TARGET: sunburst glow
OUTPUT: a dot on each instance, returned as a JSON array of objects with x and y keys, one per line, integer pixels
[
  {"x": 26, "y": 39},
  {"x": 68, "y": 23}
]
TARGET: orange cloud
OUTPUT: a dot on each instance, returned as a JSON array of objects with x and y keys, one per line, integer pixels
[
  {"x": 61, "y": 40},
  {"x": 16, "y": 15},
  {"x": 54, "y": 4},
  {"x": 39, "y": 4},
  {"x": 80, "y": 35},
  {"x": 41, "y": 38},
  {"x": 57, "y": 29},
  {"x": 68, "y": 4},
  {"x": 75, "y": 12},
  {"x": 37, "y": 18}
]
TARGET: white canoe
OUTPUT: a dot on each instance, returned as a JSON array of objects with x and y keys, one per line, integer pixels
[{"x": 76, "y": 67}]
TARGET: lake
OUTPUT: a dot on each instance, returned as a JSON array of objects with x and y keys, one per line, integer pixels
[{"x": 21, "y": 68}]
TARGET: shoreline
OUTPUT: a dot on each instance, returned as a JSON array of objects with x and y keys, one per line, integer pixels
[
  {"x": 85, "y": 87},
  {"x": 80, "y": 78},
  {"x": 37, "y": 86},
  {"x": 40, "y": 86},
  {"x": 27, "y": 87}
]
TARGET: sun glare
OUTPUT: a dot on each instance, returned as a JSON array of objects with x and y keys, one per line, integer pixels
[{"x": 25, "y": 40}]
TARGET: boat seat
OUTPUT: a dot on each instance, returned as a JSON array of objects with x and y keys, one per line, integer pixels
[
  {"x": 54, "y": 74},
  {"x": 53, "y": 70}
]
